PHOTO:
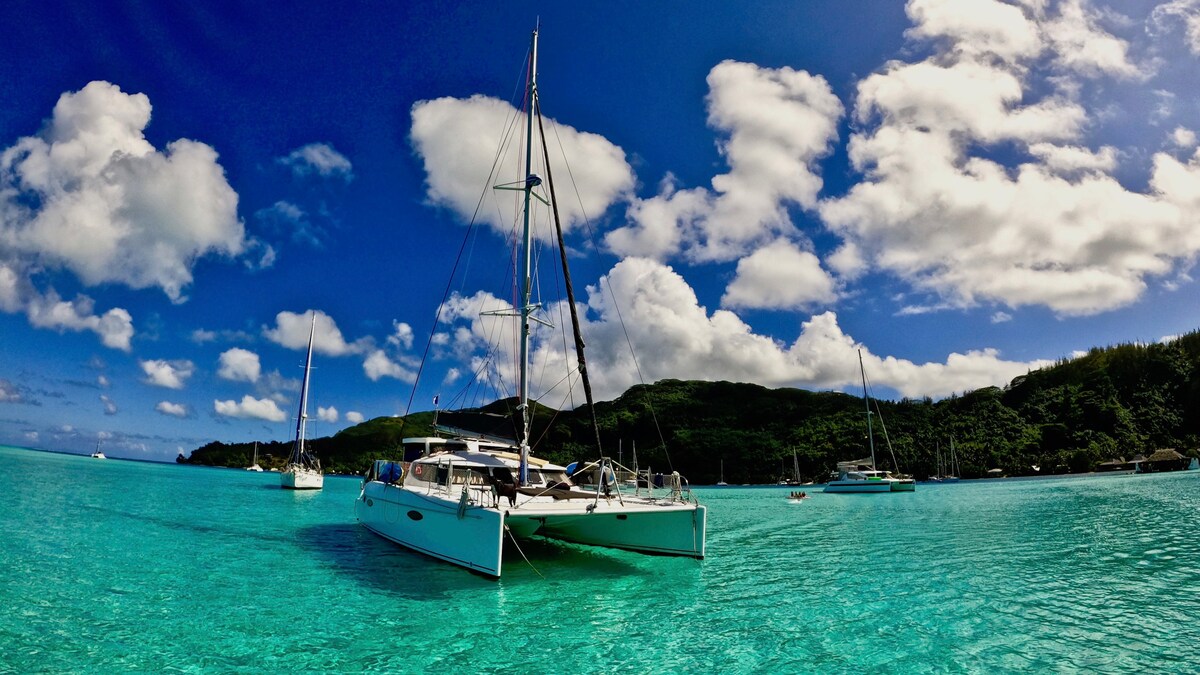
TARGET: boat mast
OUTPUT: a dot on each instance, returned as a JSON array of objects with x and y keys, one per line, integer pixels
[
  {"x": 298, "y": 452},
  {"x": 867, "y": 402},
  {"x": 531, "y": 181}
]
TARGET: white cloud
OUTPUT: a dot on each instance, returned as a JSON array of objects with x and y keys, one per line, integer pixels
[
  {"x": 102, "y": 381},
  {"x": 675, "y": 337},
  {"x": 250, "y": 408},
  {"x": 318, "y": 158},
  {"x": 239, "y": 365},
  {"x": 457, "y": 139},
  {"x": 1185, "y": 12},
  {"x": 291, "y": 330},
  {"x": 402, "y": 335},
  {"x": 173, "y": 409},
  {"x": 938, "y": 211},
  {"x": 110, "y": 207},
  {"x": 1001, "y": 317},
  {"x": 377, "y": 365},
  {"x": 1184, "y": 137},
  {"x": 169, "y": 374},
  {"x": 329, "y": 414},
  {"x": 110, "y": 407},
  {"x": 779, "y": 276},
  {"x": 779, "y": 123},
  {"x": 115, "y": 327},
  {"x": 354, "y": 417}
]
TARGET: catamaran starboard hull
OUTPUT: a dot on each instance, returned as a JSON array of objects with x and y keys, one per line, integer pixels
[
  {"x": 667, "y": 529},
  {"x": 849, "y": 486}
]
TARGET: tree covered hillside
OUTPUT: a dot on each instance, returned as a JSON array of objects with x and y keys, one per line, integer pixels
[{"x": 1114, "y": 402}]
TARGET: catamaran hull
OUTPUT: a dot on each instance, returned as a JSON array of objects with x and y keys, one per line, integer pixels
[
  {"x": 858, "y": 486},
  {"x": 674, "y": 530},
  {"x": 301, "y": 480},
  {"x": 434, "y": 527}
]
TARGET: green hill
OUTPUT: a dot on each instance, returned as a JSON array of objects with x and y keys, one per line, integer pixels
[{"x": 1112, "y": 402}]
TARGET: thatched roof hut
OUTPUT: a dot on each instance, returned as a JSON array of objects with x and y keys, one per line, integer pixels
[{"x": 1166, "y": 459}]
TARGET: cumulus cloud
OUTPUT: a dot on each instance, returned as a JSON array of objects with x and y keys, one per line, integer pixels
[
  {"x": 291, "y": 330},
  {"x": 378, "y": 365},
  {"x": 169, "y": 374},
  {"x": 172, "y": 409},
  {"x": 779, "y": 276},
  {"x": 320, "y": 159},
  {"x": 778, "y": 123},
  {"x": 115, "y": 327},
  {"x": 250, "y": 408},
  {"x": 110, "y": 407},
  {"x": 90, "y": 194},
  {"x": 329, "y": 414},
  {"x": 457, "y": 140},
  {"x": 239, "y": 365},
  {"x": 1058, "y": 229},
  {"x": 676, "y": 337},
  {"x": 1184, "y": 137},
  {"x": 354, "y": 417}
]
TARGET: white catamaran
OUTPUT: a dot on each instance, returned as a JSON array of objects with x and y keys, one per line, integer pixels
[
  {"x": 861, "y": 475},
  {"x": 460, "y": 497},
  {"x": 303, "y": 469}
]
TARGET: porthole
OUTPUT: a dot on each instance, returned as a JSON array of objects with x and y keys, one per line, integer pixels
[
  {"x": 415, "y": 515},
  {"x": 370, "y": 503},
  {"x": 622, "y": 516}
]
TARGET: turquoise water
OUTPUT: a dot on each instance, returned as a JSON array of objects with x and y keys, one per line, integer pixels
[{"x": 118, "y": 566}]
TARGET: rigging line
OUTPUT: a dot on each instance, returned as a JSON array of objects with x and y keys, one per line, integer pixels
[
  {"x": 450, "y": 281},
  {"x": 518, "y": 547},
  {"x": 587, "y": 223},
  {"x": 879, "y": 413},
  {"x": 562, "y": 247}
]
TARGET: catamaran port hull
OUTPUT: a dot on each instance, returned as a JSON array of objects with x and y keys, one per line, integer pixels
[{"x": 473, "y": 539}]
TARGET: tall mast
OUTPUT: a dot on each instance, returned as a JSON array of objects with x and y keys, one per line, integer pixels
[
  {"x": 867, "y": 402},
  {"x": 299, "y": 452},
  {"x": 531, "y": 181}
]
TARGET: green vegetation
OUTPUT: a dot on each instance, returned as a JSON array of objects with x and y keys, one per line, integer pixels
[{"x": 1114, "y": 402}]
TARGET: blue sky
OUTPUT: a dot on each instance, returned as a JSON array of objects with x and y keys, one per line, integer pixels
[{"x": 962, "y": 189}]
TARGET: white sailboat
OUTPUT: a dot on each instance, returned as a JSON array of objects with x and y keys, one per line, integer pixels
[
  {"x": 722, "y": 481},
  {"x": 461, "y": 496},
  {"x": 861, "y": 476},
  {"x": 303, "y": 470},
  {"x": 96, "y": 454},
  {"x": 255, "y": 466}
]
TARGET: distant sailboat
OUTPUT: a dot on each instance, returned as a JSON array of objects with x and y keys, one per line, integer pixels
[
  {"x": 97, "y": 454},
  {"x": 861, "y": 476},
  {"x": 722, "y": 481},
  {"x": 303, "y": 470},
  {"x": 255, "y": 466}
]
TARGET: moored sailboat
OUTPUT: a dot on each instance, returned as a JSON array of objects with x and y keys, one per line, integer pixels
[
  {"x": 461, "y": 496},
  {"x": 302, "y": 471},
  {"x": 861, "y": 475},
  {"x": 255, "y": 466}
]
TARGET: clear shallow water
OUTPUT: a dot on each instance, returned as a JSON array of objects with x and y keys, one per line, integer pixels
[{"x": 112, "y": 565}]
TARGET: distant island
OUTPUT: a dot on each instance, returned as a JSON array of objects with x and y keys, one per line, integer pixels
[{"x": 1082, "y": 414}]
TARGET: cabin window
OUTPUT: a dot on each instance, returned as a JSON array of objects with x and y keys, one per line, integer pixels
[{"x": 467, "y": 475}]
